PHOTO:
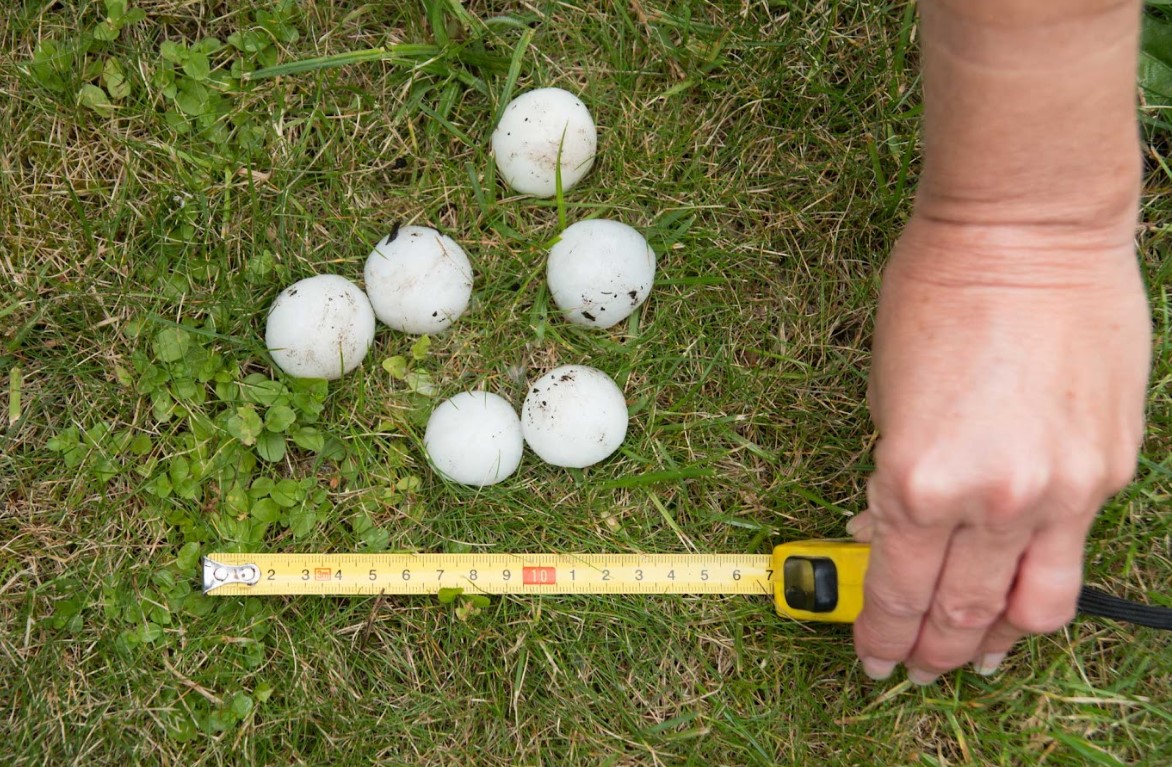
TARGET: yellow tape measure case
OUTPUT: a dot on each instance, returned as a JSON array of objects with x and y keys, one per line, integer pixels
[{"x": 820, "y": 580}]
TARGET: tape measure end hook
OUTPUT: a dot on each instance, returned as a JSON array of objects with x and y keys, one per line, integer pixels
[{"x": 216, "y": 574}]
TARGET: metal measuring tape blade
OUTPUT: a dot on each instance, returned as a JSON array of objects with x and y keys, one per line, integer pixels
[{"x": 808, "y": 580}]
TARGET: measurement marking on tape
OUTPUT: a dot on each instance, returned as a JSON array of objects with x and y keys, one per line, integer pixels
[{"x": 407, "y": 573}]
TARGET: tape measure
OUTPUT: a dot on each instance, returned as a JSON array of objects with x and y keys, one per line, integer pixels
[{"x": 808, "y": 580}]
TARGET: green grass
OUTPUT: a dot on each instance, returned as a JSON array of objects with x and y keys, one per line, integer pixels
[{"x": 768, "y": 153}]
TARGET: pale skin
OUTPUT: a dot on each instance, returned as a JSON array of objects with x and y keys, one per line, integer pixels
[{"x": 1012, "y": 340}]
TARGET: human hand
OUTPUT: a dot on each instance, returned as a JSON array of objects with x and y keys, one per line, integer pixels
[{"x": 1008, "y": 385}]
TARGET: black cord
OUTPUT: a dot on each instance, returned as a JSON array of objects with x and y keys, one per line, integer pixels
[{"x": 1092, "y": 601}]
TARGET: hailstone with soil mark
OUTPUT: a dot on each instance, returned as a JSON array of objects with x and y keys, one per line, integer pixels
[
  {"x": 320, "y": 327},
  {"x": 574, "y": 416},
  {"x": 419, "y": 281},
  {"x": 600, "y": 271}
]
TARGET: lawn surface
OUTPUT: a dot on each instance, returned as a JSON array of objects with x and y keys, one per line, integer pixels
[{"x": 154, "y": 200}]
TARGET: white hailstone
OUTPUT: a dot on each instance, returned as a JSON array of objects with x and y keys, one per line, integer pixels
[
  {"x": 599, "y": 272},
  {"x": 574, "y": 416},
  {"x": 474, "y": 438},
  {"x": 419, "y": 281},
  {"x": 534, "y": 128},
  {"x": 320, "y": 327}
]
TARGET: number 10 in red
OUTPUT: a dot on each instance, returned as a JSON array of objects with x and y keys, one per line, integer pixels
[{"x": 539, "y": 576}]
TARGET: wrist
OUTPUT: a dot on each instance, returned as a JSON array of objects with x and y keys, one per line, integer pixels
[
  {"x": 1101, "y": 218},
  {"x": 1013, "y": 255}
]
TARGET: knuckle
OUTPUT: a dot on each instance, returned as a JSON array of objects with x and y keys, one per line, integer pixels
[
  {"x": 931, "y": 491},
  {"x": 925, "y": 491},
  {"x": 1042, "y": 620},
  {"x": 1120, "y": 473},
  {"x": 894, "y": 604},
  {"x": 877, "y": 643},
  {"x": 1123, "y": 455},
  {"x": 1130, "y": 435},
  {"x": 967, "y": 613},
  {"x": 1084, "y": 477},
  {"x": 1017, "y": 491}
]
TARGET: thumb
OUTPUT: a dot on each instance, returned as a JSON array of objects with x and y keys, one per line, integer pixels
[{"x": 861, "y": 526}]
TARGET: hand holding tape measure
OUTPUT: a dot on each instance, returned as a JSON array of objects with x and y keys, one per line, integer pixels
[{"x": 816, "y": 580}]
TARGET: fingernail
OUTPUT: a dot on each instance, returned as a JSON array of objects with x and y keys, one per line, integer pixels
[
  {"x": 988, "y": 663},
  {"x": 852, "y": 525},
  {"x": 878, "y": 669},
  {"x": 920, "y": 677}
]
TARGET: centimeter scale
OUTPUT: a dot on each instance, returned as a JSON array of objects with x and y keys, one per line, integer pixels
[{"x": 808, "y": 580}]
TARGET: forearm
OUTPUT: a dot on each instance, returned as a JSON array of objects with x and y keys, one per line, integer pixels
[{"x": 1030, "y": 116}]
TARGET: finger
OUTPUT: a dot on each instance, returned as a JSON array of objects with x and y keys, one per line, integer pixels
[
  {"x": 860, "y": 526},
  {"x": 1045, "y": 596},
  {"x": 998, "y": 641},
  {"x": 1048, "y": 602},
  {"x": 971, "y": 595},
  {"x": 897, "y": 592},
  {"x": 1045, "y": 592}
]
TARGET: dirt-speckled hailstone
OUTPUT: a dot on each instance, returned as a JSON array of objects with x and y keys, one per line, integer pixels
[
  {"x": 599, "y": 272},
  {"x": 474, "y": 438},
  {"x": 419, "y": 281},
  {"x": 574, "y": 416},
  {"x": 533, "y": 127},
  {"x": 320, "y": 327}
]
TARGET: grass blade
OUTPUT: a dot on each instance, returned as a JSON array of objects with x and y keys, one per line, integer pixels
[
  {"x": 412, "y": 54},
  {"x": 514, "y": 73},
  {"x": 656, "y": 477},
  {"x": 14, "y": 384}
]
